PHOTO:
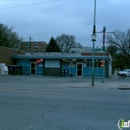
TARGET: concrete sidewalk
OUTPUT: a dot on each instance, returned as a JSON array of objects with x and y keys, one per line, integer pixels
[
  {"x": 109, "y": 84},
  {"x": 115, "y": 82},
  {"x": 46, "y": 82}
]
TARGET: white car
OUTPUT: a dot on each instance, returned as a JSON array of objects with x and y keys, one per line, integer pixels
[{"x": 124, "y": 73}]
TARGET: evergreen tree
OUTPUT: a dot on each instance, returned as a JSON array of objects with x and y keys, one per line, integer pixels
[{"x": 52, "y": 46}]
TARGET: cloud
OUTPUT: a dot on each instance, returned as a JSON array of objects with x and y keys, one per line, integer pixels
[{"x": 74, "y": 17}]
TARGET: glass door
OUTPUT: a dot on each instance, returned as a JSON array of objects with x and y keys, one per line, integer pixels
[
  {"x": 33, "y": 68},
  {"x": 79, "y": 69}
]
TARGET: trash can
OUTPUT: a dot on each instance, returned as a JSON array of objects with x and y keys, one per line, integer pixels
[{"x": 66, "y": 73}]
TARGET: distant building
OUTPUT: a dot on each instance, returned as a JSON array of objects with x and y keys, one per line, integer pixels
[
  {"x": 38, "y": 46},
  {"x": 85, "y": 49}
]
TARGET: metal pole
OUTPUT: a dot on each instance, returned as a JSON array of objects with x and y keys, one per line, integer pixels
[
  {"x": 97, "y": 68},
  {"x": 104, "y": 31},
  {"x": 94, "y": 34},
  {"x": 93, "y": 65},
  {"x": 30, "y": 44},
  {"x": 69, "y": 68},
  {"x": 95, "y": 13}
]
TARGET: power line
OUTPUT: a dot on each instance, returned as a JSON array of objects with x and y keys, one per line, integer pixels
[
  {"x": 25, "y": 38},
  {"x": 28, "y": 39},
  {"x": 29, "y": 4}
]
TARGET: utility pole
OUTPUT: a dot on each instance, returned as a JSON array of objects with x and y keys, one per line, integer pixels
[
  {"x": 30, "y": 44},
  {"x": 104, "y": 37}
]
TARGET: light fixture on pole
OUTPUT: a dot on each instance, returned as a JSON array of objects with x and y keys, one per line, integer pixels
[{"x": 93, "y": 37}]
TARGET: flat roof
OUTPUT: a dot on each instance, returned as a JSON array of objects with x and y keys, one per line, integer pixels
[{"x": 57, "y": 57}]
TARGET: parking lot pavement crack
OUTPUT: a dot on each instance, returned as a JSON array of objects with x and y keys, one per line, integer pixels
[
  {"x": 34, "y": 126},
  {"x": 52, "y": 108}
]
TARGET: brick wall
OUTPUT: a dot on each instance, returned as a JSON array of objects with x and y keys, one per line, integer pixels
[{"x": 6, "y": 55}]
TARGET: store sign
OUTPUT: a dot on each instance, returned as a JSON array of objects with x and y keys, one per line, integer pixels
[
  {"x": 39, "y": 61},
  {"x": 52, "y": 63}
]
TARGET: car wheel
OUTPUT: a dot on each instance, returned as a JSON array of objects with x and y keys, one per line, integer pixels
[{"x": 123, "y": 76}]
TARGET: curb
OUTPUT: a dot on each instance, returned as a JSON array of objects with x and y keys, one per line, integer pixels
[{"x": 124, "y": 88}]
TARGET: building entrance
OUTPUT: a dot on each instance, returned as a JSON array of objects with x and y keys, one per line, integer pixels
[
  {"x": 79, "y": 69},
  {"x": 33, "y": 68}
]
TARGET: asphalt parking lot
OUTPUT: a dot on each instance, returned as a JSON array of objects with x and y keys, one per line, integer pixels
[{"x": 62, "y": 103}]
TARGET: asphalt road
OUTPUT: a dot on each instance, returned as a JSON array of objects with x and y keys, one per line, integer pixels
[{"x": 34, "y": 104}]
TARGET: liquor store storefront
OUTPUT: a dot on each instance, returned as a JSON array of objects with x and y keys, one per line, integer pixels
[{"x": 57, "y": 64}]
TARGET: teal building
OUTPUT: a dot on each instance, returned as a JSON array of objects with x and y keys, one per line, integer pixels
[{"x": 63, "y": 64}]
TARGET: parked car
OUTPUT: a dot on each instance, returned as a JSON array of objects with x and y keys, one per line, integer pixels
[{"x": 124, "y": 73}]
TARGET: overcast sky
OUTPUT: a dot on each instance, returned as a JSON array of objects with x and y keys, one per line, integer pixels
[{"x": 73, "y": 17}]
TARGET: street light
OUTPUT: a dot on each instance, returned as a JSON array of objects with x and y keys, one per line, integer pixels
[
  {"x": 93, "y": 37},
  {"x": 93, "y": 40}
]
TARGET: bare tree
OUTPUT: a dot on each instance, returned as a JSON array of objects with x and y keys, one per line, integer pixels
[
  {"x": 66, "y": 42},
  {"x": 122, "y": 41},
  {"x": 113, "y": 50}
]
